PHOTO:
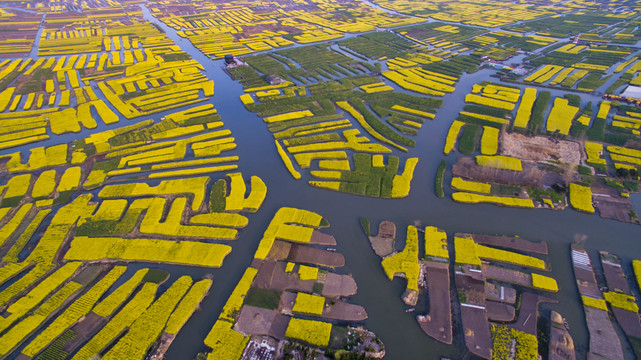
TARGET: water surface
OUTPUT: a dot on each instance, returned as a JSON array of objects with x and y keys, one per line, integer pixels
[{"x": 380, "y": 297}]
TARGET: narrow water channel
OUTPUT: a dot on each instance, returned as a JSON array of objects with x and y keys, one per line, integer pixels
[{"x": 380, "y": 297}]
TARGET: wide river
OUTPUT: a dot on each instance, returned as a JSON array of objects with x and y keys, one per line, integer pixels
[{"x": 380, "y": 297}]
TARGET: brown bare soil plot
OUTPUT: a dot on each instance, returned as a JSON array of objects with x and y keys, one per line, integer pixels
[{"x": 540, "y": 148}]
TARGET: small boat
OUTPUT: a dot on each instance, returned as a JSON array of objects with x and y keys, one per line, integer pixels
[{"x": 410, "y": 310}]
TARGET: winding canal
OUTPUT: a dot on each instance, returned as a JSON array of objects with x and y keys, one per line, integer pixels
[{"x": 380, "y": 297}]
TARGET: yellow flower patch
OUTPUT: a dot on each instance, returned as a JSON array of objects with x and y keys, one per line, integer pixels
[
  {"x": 44, "y": 186},
  {"x": 500, "y": 162},
  {"x": 471, "y": 198},
  {"x": 187, "y": 306},
  {"x": 246, "y": 99},
  {"x": 466, "y": 185},
  {"x": 287, "y": 161},
  {"x": 112, "y": 302},
  {"x": 269, "y": 87},
  {"x": 475, "y": 99},
  {"x": 626, "y": 159},
  {"x": 591, "y": 66},
  {"x": 226, "y": 343},
  {"x": 285, "y": 215},
  {"x": 546, "y": 72},
  {"x": 309, "y": 331},
  {"x": 625, "y": 151},
  {"x": 376, "y": 87},
  {"x": 272, "y": 92},
  {"x": 571, "y": 48},
  {"x": 495, "y": 119},
  {"x": 452, "y": 135},
  {"x": 561, "y": 76},
  {"x": 74, "y": 312},
  {"x": 465, "y": 251},
  {"x": 594, "y": 152},
  {"x": 595, "y": 303},
  {"x": 509, "y": 257},
  {"x": 490, "y": 140},
  {"x": 622, "y": 301},
  {"x": 435, "y": 242},
  {"x": 152, "y": 250},
  {"x": 370, "y": 130},
  {"x": 584, "y": 120},
  {"x": 544, "y": 283},
  {"x": 401, "y": 183},
  {"x": 237, "y": 297},
  {"x": 413, "y": 111},
  {"x": 309, "y": 304},
  {"x": 300, "y": 234},
  {"x": 406, "y": 261},
  {"x": 548, "y": 75},
  {"x": 581, "y": 198},
  {"x": 561, "y": 116},
  {"x": 288, "y": 116},
  {"x": 289, "y": 267},
  {"x": 307, "y": 272},
  {"x": 70, "y": 179},
  {"x": 636, "y": 266}
]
